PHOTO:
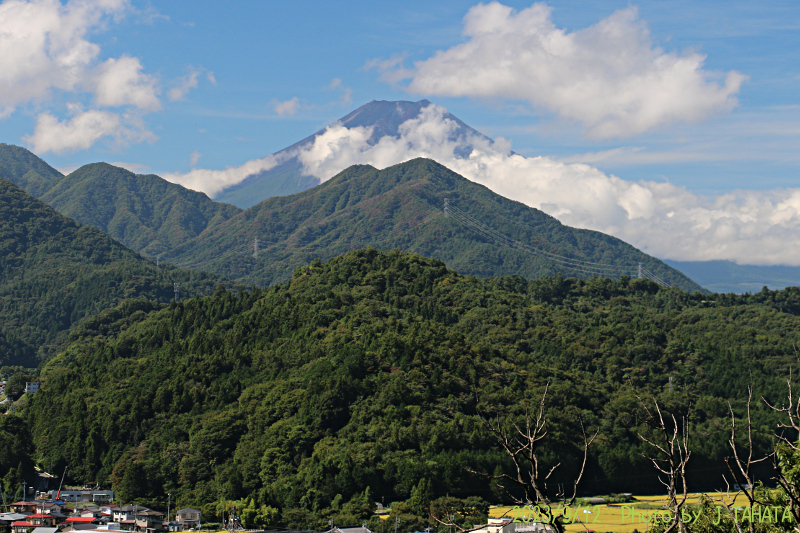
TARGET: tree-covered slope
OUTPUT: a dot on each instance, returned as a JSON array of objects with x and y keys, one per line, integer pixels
[
  {"x": 26, "y": 170},
  {"x": 144, "y": 212},
  {"x": 402, "y": 207},
  {"x": 369, "y": 371},
  {"x": 55, "y": 272}
]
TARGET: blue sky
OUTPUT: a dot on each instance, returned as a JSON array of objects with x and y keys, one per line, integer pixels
[{"x": 206, "y": 82}]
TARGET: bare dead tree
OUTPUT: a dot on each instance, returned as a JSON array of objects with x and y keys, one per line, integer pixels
[
  {"x": 671, "y": 446},
  {"x": 521, "y": 444},
  {"x": 740, "y": 467},
  {"x": 786, "y": 447}
]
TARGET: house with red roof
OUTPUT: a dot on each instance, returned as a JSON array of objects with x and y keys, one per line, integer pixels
[{"x": 21, "y": 526}]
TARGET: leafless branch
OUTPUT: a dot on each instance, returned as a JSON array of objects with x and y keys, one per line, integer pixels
[
  {"x": 521, "y": 446},
  {"x": 672, "y": 454}
]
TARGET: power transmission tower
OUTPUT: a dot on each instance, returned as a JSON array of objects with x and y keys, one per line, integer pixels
[
  {"x": 177, "y": 287},
  {"x": 255, "y": 248},
  {"x": 640, "y": 271},
  {"x": 158, "y": 260},
  {"x": 446, "y": 208}
]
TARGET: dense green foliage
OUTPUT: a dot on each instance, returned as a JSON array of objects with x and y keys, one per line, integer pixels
[
  {"x": 144, "y": 212},
  {"x": 27, "y": 171},
  {"x": 370, "y": 371},
  {"x": 401, "y": 207},
  {"x": 55, "y": 273},
  {"x": 15, "y": 458}
]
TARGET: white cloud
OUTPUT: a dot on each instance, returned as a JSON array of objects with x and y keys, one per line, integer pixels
[
  {"x": 44, "y": 49},
  {"x": 211, "y": 78},
  {"x": 120, "y": 82},
  {"x": 752, "y": 227},
  {"x": 83, "y": 130},
  {"x": 183, "y": 86},
  {"x": 213, "y": 181},
  {"x": 194, "y": 157},
  {"x": 391, "y": 70},
  {"x": 289, "y": 107},
  {"x": 609, "y": 77},
  {"x": 43, "y": 46}
]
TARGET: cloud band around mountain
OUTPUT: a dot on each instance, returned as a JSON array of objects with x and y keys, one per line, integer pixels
[{"x": 750, "y": 227}]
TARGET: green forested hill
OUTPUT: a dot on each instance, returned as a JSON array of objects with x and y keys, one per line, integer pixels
[
  {"x": 55, "y": 272},
  {"x": 27, "y": 171},
  {"x": 398, "y": 207},
  {"x": 367, "y": 372},
  {"x": 144, "y": 212},
  {"x": 402, "y": 207}
]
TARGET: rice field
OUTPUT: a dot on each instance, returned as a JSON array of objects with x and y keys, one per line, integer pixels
[{"x": 627, "y": 517}]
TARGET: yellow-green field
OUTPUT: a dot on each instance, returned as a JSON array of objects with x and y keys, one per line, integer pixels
[{"x": 614, "y": 518}]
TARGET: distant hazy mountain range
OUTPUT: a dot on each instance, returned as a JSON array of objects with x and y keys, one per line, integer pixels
[{"x": 727, "y": 276}]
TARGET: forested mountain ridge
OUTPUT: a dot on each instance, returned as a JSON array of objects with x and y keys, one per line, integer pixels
[
  {"x": 55, "y": 272},
  {"x": 369, "y": 370},
  {"x": 144, "y": 212},
  {"x": 26, "y": 170},
  {"x": 397, "y": 207},
  {"x": 402, "y": 207}
]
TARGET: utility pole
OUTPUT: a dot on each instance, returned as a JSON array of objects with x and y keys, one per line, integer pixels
[
  {"x": 670, "y": 383},
  {"x": 396, "y": 523},
  {"x": 446, "y": 208},
  {"x": 169, "y": 501},
  {"x": 177, "y": 288},
  {"x": 255, "y": 248}
]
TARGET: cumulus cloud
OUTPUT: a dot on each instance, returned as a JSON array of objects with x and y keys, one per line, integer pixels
[
  {"x": 289, "y": 107},
  {"x": 83, "y": 130},
  {"x": 752, "y": 227},
  {"x": 120, "y": 82},
  {"x": 609, "y": 77},
  {"x": 44, "y": 49},
  {"x": 43, "y": 46},
  {"x": 213, "y": 181},
  {"x": 194, "y": 157}
]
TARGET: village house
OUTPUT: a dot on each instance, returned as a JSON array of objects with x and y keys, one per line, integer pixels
[
  {"x": 22, "y": 526},
  {"x": 188, "y": 518},
  {"x": 42, "y": 519}
]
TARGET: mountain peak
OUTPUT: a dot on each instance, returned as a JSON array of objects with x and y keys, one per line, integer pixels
[{"x": 384, "y": 117}]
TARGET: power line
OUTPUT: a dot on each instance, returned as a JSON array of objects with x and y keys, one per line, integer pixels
[{"x": 579, "y": 265}]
